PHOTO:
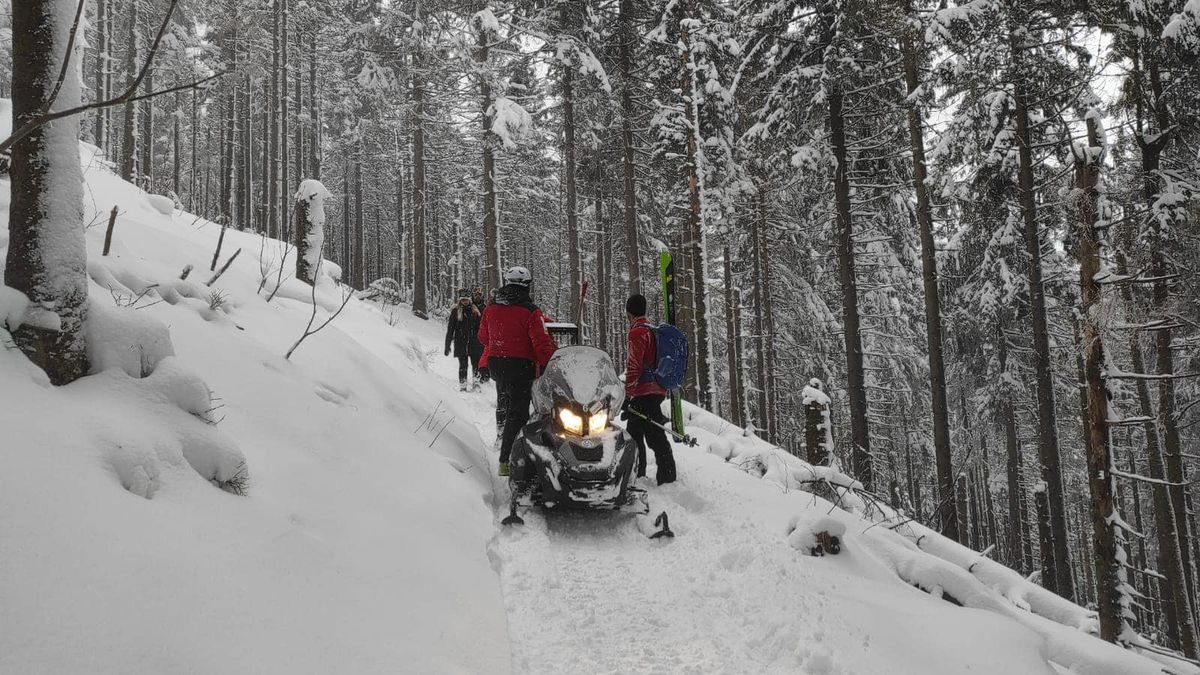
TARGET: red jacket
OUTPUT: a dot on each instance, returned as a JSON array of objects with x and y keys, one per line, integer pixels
[
  {"x": 641, "y": 356},
  {"x": 516, "y": 330}
]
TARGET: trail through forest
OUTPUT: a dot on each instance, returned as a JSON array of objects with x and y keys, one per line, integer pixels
[{"x": 590, "y": 591}]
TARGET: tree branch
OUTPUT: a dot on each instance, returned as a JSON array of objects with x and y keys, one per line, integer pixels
[{"x": 129, "y": 95}]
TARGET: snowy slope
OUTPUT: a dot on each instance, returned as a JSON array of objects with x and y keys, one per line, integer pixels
[
  {"x": 367, "y": 540},
  {"x": 361, "y": 545}
]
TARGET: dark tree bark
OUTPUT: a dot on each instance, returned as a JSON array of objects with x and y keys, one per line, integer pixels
[
  {"x": 1017, "y": 527},
  {"x": 419, "y": 306},
  {"x": 933, "y": 309},
  {"x": 860, "y": 454},
  {"x": 625, "y": 40},
  {"x": 695, "y": 221},
  {"x": 734, "y": 384},
  {"x": 130, "y": 121},
  {"x": 1105, "y": 538},
  {"x": 284, "y": 176},
  {"x": 47, "y": 255},
  {"x": 491, "y": 237},
  {"x": 360, "y": 271},
  {"x": 102, "y": 70},
  {"x": 568, "y": 130},
  {"x": 1056, "y": 562},
  {"x": 756, "y": 294}
]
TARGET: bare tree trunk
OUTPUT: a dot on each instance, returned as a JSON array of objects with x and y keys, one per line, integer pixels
[
  {"x": 360, "y": 271},
  {"x": 418, "y": 199},
  {"x": 1016, "y": 487},
  {"x": 347, "y": 257},
  {"x": 568, "y": 130},
  {"x": 146, "y": 168},
  {"x": 860, "y": 454},
  {"x": 625, "y": 64},
  {"x": 933, "y": 309},
  {"x": 284, "y": 177},
  {"x": 734, "y": 384},
  {"x": 1056, "y": 562},
  {"x": 757, "y": 224},
  {"x": 1106, "y": 540},
  {"x": 769, "y": 318},
  {"x": 491, "y": 234},
  {"x": 47, "y": 254},
  {"x": 102, "y": 70},
  {"x": 274, "y": 229},
  {"x": 133, "y": 51}
]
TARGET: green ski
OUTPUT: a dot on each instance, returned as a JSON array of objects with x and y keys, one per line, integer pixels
[{"x": 666, "y": 276}]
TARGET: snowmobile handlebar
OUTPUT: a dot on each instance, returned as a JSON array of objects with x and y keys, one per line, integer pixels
[{"x": 682, "y": 438}]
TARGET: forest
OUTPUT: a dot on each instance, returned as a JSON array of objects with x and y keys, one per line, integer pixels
[{"x": 974, "y": 224}]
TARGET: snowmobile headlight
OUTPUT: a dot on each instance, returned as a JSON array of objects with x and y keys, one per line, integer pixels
[
  {"x": 572, "y": 423},
  {"x": 597, "y": 422}
]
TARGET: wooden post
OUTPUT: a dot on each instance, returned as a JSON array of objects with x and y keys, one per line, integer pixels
[{"x": 112, "y": 221}]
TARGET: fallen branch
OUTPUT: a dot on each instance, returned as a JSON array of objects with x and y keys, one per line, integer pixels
[
  {"x": 223, "y": 268},
  {"x": 309, "y": 330}
]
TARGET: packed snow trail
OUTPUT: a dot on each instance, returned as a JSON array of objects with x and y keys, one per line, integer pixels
[{"x": 589, "y": 592}]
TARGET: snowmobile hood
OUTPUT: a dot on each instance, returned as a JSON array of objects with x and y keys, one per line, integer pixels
[{"x": 581, "y": 374}]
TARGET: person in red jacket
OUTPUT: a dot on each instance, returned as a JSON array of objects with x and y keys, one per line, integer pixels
[
  {"x": 645, "y": 396},
  {"x": 517, "y": 347}
]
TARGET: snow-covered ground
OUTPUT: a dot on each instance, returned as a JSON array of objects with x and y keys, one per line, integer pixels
[{"x": 367, "y": 539}]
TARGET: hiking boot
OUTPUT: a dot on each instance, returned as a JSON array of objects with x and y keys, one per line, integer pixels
[{"x": 503, "y": 468}]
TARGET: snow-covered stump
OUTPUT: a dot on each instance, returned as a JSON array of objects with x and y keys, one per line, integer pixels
[
  {"x": 310, "y": 228},
  {"x": 818, "y": 436}
]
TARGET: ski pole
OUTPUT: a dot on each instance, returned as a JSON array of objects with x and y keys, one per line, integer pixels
[{"x": 682, "y": 438}]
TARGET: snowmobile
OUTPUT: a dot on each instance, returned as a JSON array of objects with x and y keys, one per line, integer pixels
[{"x": 572, "y": 456}]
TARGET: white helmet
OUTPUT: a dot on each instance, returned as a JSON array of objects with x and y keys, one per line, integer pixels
[{"x": 518, "y": 275}]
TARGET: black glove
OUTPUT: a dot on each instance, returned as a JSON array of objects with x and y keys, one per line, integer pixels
[
  {"x": 447, "y": 350},
  {"x": 625, "y": 410}
]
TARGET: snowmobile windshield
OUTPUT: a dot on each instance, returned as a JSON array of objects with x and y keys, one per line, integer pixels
[{"x": 583, "y": 375}]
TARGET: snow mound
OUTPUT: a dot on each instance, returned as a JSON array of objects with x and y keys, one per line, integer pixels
[
  {"x": 805, "y": 530},
  {"x": 125, "y": 339},
  {"x": 161, "y": 203}
]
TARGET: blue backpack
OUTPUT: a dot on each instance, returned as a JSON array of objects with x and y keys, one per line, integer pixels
[{"x": 671, "y": 357}]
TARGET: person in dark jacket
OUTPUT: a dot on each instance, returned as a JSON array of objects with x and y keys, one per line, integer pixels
[
  {"x": 645, "y": 396},
  {"x": 461, "y": 334},
  {"x": 477, "y": 301},
  {"x": 516, "y": 347}
]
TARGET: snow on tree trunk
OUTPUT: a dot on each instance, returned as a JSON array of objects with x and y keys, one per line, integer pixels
[
  {"x": 47, "y": 257},
  {"x": 1113, "y": 604},
  {"x": 818, "y": 430},
  {"x": 310, "y": 228}
]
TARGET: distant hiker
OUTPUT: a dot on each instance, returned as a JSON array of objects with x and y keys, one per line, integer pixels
[
  {"x": 477, "y": 301},
  {"x": 517, "y": 347},
  {"x": 643, "y": 395},
  {"x": 461, "y": 330}
]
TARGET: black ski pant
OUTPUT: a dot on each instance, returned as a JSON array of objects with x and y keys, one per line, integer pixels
[
  {"x": 514, "y": 390},
  {"x": 473, "y": 359},
  {"x": 645, "y": 433}
]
